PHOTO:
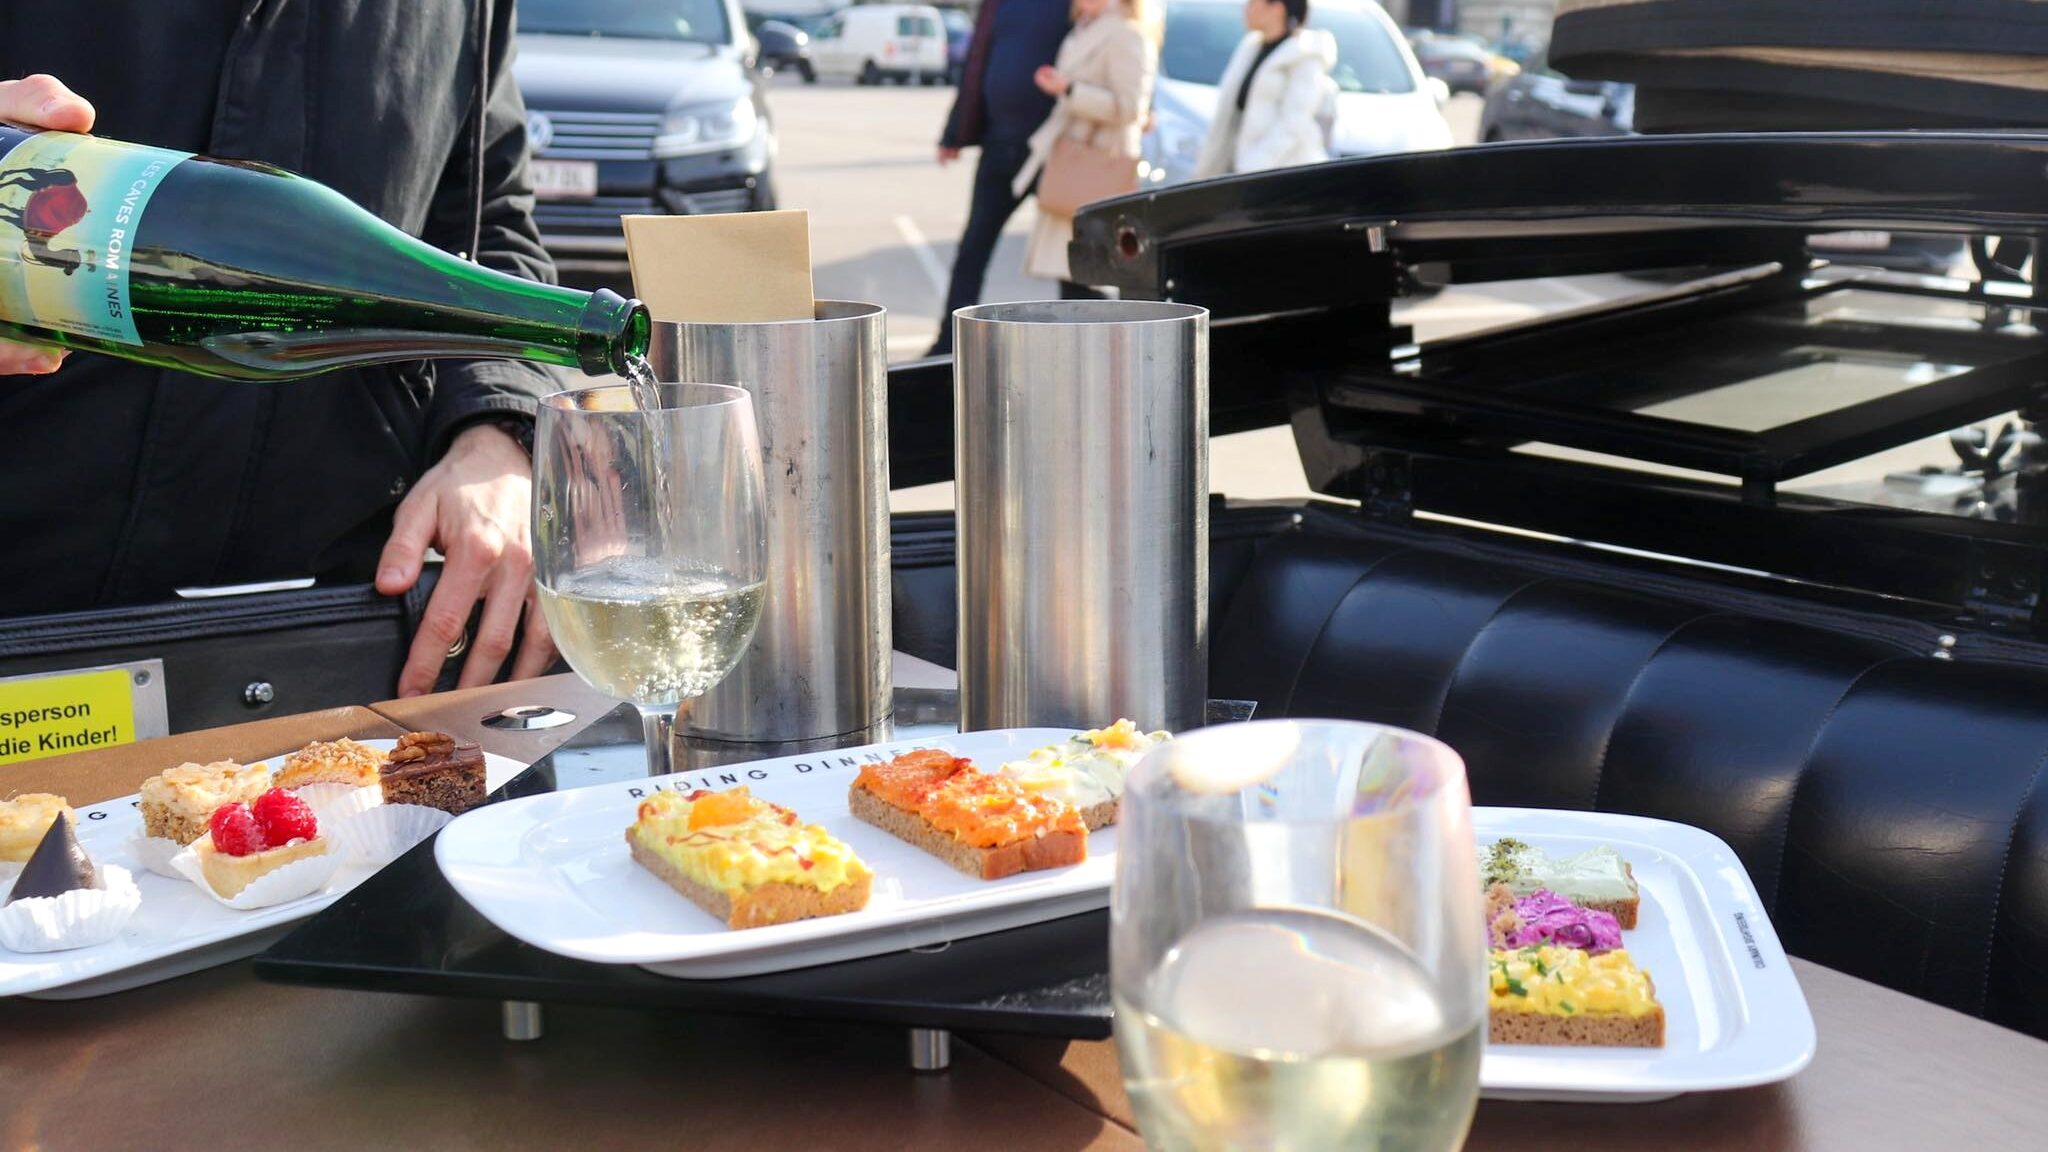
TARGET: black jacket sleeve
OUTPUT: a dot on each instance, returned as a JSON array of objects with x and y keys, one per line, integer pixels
[
  {"x": 509, "y": 241},
  {"x": 964, "y": 120}
]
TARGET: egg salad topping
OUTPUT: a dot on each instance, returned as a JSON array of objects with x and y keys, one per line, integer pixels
[
  {"x": 1089, "y": 767},
  {"x": 1568, "y": 982},
  {"x": 1047, "y": 772},
  {"x": 731, "y": 840}
]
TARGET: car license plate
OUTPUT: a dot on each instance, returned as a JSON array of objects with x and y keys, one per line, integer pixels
[
  {"x": 564, "y": 179},
  {"x": 1857, "y": 241}
]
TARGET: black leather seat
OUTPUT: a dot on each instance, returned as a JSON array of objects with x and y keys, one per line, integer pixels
[{"x": 1881, "y": 783}]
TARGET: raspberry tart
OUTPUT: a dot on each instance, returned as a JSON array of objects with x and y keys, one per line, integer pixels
[{"x": 249, "y": 841}]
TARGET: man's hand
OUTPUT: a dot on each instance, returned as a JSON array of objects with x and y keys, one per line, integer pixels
[
  {"x": 947, "y": 155},
  {"x": 39, "y": 102},
  {"x": 474, "y": 506}
]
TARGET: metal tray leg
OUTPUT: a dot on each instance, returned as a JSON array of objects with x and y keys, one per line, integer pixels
[
  {"x": 521, "y": 1019},
  {"x": 931, "y": 1049}
]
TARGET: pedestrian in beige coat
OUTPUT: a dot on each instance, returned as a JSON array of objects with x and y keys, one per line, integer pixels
[{"x": 1102, "y": 80}]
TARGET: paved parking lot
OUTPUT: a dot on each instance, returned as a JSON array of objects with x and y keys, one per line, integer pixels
[{"x": 885, "y": 218}]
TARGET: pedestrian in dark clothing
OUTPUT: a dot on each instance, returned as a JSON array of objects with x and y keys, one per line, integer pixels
[{"x": 998, "y": 107}]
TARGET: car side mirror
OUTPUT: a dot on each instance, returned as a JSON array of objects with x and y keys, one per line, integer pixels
[{"x": 1439, "y": 91}]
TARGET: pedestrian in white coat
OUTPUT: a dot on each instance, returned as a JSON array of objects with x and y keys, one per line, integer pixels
[{"x": 1276, "y": 99}]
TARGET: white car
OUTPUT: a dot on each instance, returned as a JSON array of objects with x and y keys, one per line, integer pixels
[
  {"x": 1384, "y": 102},
  {"x": 876, "y": 42}
]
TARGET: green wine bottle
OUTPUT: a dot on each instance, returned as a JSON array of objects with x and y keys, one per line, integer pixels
[{"x": 244, "y": 271}]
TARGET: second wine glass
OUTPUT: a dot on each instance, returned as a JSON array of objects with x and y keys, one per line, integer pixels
[{"x": 649, "y": 541}]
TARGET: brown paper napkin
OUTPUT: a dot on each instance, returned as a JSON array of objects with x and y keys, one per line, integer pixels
[{"x": 746, "y": 267}]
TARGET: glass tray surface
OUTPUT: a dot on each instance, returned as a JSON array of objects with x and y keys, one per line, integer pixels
[{"x": 405, "y": 929}]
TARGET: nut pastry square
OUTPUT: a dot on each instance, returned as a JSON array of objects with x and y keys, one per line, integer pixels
[
  {"x": 434, "y": 770},
  {"x": 177, "y": 804}
]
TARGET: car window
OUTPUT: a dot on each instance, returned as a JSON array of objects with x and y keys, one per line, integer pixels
[
  {"x": 916, "y": 26},
  {"x": 699, "y": 20},
  {"x": 1368, "y": 57},
  {"x": 1200, "y": 38},
  {"x": 829, "y": 30}
]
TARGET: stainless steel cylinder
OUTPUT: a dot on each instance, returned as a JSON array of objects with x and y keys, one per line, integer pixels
[
  {"x": 1081, "y": 457},
  {"x": 819, "y": 663}
]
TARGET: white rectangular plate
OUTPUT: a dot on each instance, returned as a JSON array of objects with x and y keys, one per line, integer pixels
[
  {"x": 178, "y": 929},
  {"x": 1734, "y": 1013},
  {"x": 563, "y": 179},
  {"x": 553, "y": 871}
]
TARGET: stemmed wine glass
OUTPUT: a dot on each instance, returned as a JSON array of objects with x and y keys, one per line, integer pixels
[
  {"x": 649, "y": 540},
  {"x": 1296, "y": 944}
]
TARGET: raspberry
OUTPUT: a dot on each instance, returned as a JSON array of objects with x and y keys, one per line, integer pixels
[
  {"x": 235, "y": 831},
  {"x": 285, "y": 817}
]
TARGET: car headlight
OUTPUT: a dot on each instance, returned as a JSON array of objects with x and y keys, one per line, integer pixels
[{"x": 705, "y": 127}]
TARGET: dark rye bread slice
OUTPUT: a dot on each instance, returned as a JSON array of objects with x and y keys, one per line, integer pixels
[
  {"x": 1101, "y": 815},
  {"x": 1585, "y": 1030},
  {"x": 1623, "y": 911},
  {"x": 1052, "y": 850},
  {"x": 761, "y": 905}
]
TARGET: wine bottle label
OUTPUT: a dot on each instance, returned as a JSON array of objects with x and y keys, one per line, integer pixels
[{"x": 70, "y": 207}]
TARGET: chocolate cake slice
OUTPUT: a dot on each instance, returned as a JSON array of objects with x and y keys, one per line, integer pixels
[
  {"x": 59, "y": 865},
  {"x": 434, "y": 770}
]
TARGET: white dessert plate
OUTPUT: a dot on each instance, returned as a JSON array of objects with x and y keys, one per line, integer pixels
[
  {"x": 178, "y": 929},
  {"x": 553, "y": 870},
  {"x": 1734, "y": 1013}
]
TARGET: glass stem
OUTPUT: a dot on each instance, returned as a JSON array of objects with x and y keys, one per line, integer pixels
[{"x": 657, "y": 726}]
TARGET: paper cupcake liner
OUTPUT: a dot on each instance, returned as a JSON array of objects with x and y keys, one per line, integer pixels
[
  {"x": 296, "y": 880},
  {"x": 156, "y": 853},
  {"x": 332, "y": 802},
  {"x": 78, "y": 919},
  {"x": 382, "y": 834}
]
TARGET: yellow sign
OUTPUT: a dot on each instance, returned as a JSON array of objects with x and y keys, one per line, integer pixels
[{"x": 46, "y": 716}]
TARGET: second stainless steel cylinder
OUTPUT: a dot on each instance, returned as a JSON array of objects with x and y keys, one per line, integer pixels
[
  {"x": 819, "y": 663},
  {"x": 1081, "y": 461}
]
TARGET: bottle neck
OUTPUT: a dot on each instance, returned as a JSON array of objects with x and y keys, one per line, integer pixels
[{"x": 612, "y": 331}]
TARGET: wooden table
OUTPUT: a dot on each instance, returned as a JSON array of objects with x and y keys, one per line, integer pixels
[{"x": 221, "y": 1061}]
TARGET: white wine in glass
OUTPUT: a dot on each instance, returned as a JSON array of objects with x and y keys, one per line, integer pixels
[
  {"x": 650, "y": 540},
  {"x": 1296, "y": 948}
]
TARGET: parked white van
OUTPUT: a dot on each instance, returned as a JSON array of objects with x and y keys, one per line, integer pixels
[{"x": 876, "y": 42}]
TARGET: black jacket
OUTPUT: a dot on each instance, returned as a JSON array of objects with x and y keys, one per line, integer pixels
[{"x": 119, "y": 483}]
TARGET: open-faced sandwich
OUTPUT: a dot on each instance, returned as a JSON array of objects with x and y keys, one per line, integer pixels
[
  {"x": 1558, "y": 970},
  {"x": 1087, "y": 772},
  {"x": 986, "y": 825},
  {"x": 1597, "y": 878},
  {"x": 1545, "y": 994},
  {"x": 746, "y": 861}
]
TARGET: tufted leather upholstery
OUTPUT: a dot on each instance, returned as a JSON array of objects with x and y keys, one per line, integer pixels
[{"x": 1886, "y": 801}]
